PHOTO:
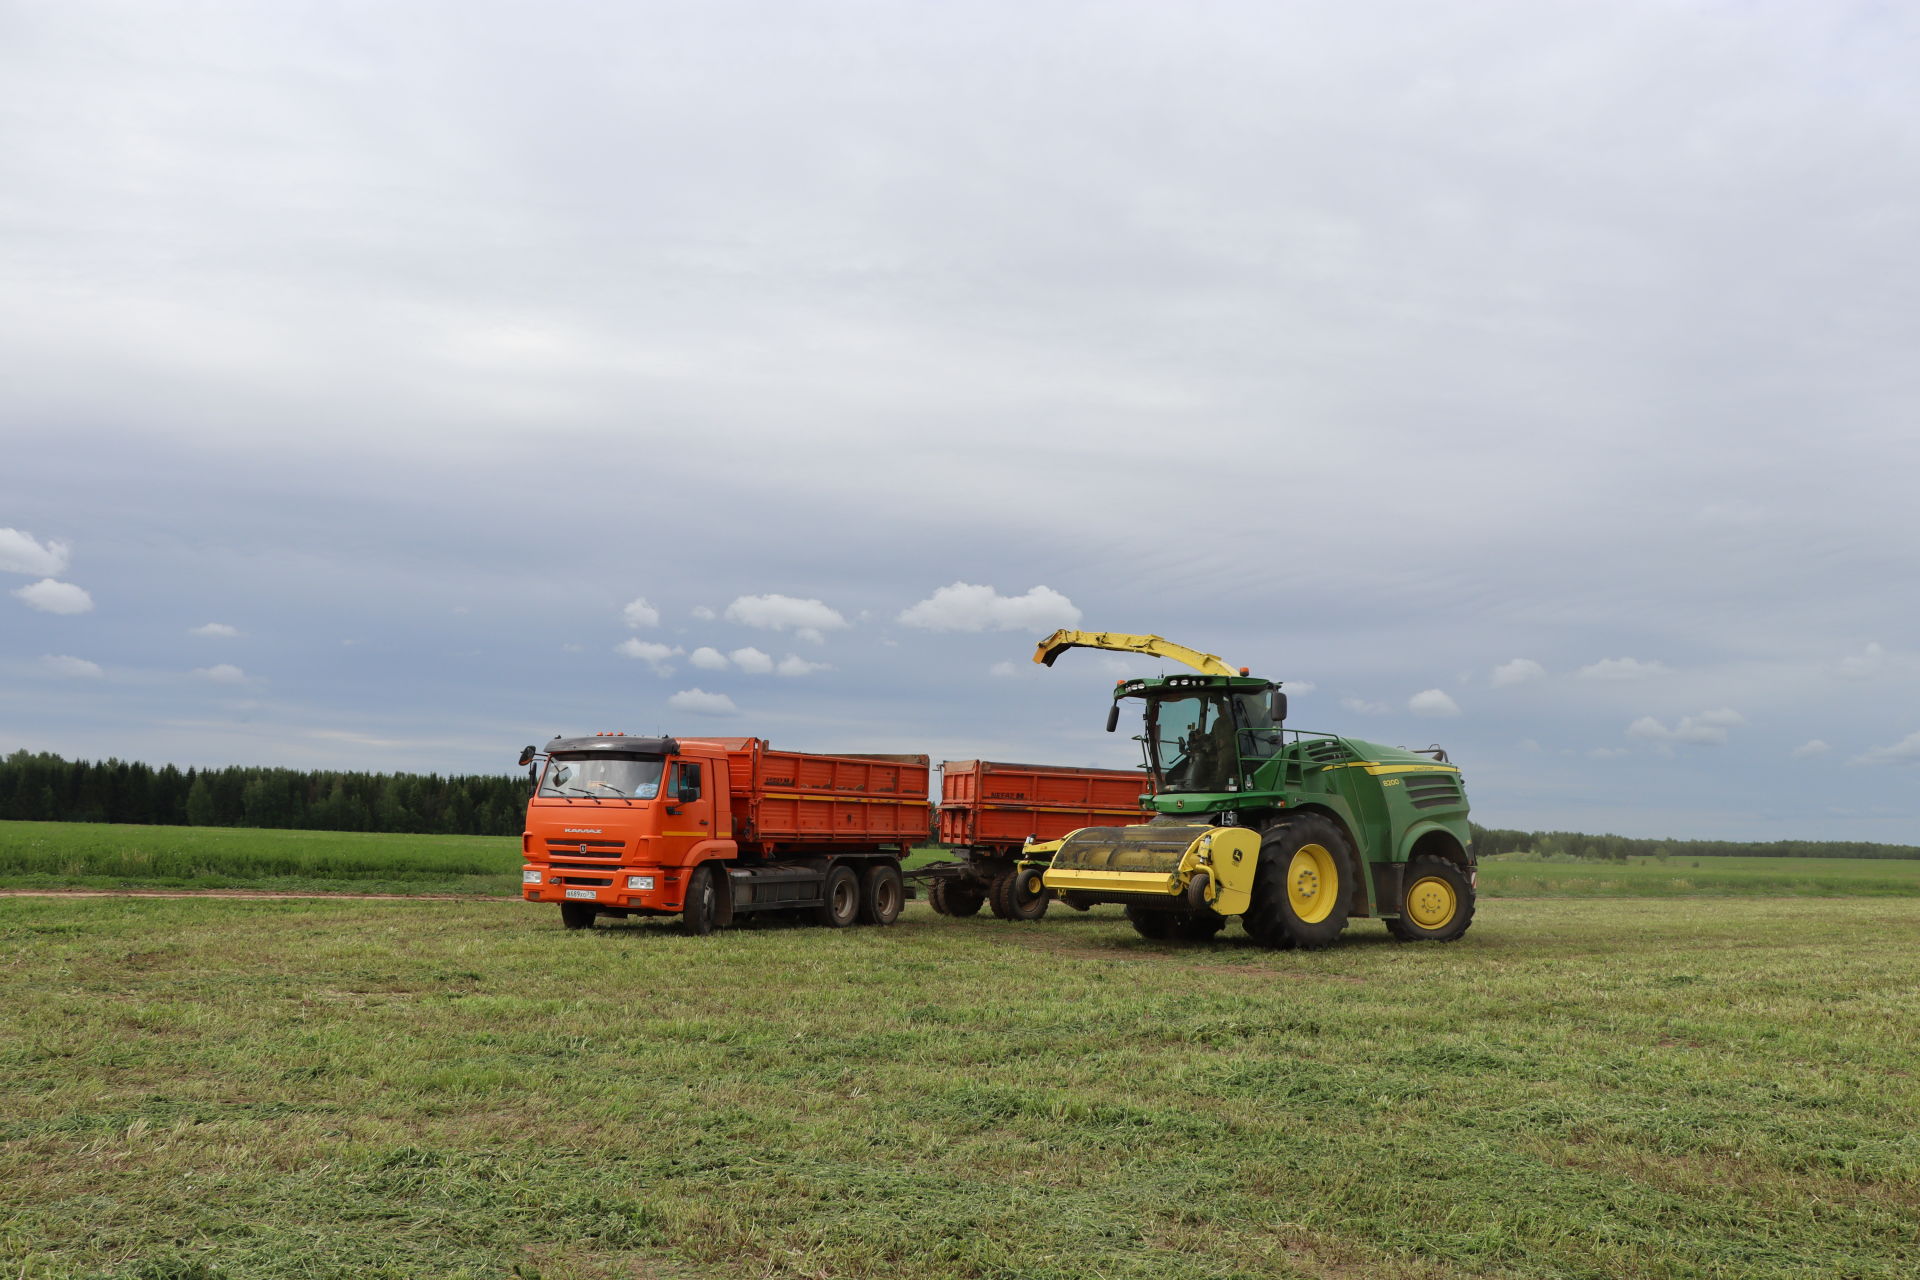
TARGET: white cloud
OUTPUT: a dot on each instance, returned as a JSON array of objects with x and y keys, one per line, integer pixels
[
  {"x": 795, "y": 665},
  {"x": 1003, "y": 669},
  {"x": 1811, "y": 747},
  {"x": 1362, "y": 707},
  {"x": 1432, "y": 702},
  {"x": 1518, "y": 671},
  {"x": 1299, "y": 686},
  {"x": 966, "y": 607},
  {"x": 49, "y": 596},
  {"x": 708, "y": 658},
  {"x": 639, "y": 614},
  {"x": 1905, "y": 751},
  {"x": 809, "y": 619},
  {"x": 221, "y": 673},
  {"x": 1623, "y": 669},
  {"x": 1866, "y": 664},
  {"x": 701, "y": 703},
  {"x": 1706, "y": 729},
  {"x": 21, "y": 553},
  {"x": 1529, "y": 744},
  {"x": 703, "y": 613},
  {"x": 752, "y": 661},
  {"x": 62, "y": 665},
  {"x": 652, "y": 653},
  {"x": 217, "y": 630}
]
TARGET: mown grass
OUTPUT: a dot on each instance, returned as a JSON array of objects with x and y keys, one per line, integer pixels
[{"x": 1610, "y": 1088}]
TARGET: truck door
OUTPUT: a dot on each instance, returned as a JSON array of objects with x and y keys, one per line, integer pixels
[{"x": 690, "y": 801}]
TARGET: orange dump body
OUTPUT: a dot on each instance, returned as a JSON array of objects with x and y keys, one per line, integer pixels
[
  {"x": 785, "y": 801},
  {"x": 988, "y": 805}
]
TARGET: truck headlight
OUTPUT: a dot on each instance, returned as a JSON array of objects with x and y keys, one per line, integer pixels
[
  {"x": 642, "y": 883},
  {"x": 529, "y": 877}
]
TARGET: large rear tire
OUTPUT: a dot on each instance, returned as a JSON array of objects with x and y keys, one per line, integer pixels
[
  {"x": 1019, "y": 894},
  {"x": 1304, "y": 886},
  {"x": 702, "y": 906},
  {"x": 955, "y": 897},
  {"x": 577, "y": 915},
  {"x": 1436, "y": 902},
  {"x": 840, "y": 898},
  {"x": 882, "y": 894}
]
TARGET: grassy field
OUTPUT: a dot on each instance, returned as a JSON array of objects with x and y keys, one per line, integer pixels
[
  {"x": 99, "y": 856},
  {"x": 91, "y": 855},
  {"x": 192, "y": 1090},
  {"x": 1509, "y": 877}
]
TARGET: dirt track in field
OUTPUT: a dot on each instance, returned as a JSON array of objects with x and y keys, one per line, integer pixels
[{"x": 244, "y": 893}]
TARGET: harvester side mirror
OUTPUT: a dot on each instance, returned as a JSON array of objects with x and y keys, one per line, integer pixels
[
  {"x": 1277, "y": 706},
  {"x": 1113, "y": 717},
  {"x": 526, "y": 755}
]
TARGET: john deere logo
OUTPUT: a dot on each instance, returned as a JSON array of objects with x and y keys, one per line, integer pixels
[{"x": 1238, "y": 854}]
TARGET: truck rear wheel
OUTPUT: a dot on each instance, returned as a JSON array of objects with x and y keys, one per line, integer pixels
[
  {"x": 577, "y": 915},
  {"x": 954, "y": 897},
  {"x": 839, "y": 898},
  {"x": 703, "y": 903},
  {"x": 1304, "y": 885},
  {"x": 1436, "y": 902},
  {"x": 882, "y": 894},
  {"x": 1019, "y": 894}
]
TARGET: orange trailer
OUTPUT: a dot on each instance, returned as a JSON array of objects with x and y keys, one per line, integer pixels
[
  {"x": 712, "y": 828},
  {"x": 990, "y": 810}
]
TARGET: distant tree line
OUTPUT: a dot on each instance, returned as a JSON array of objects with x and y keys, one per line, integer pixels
[
  {"x": 1490, "y": 840},
  {"x": 46, "y": 788}
]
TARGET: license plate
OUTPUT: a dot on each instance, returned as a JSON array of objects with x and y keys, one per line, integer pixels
[{"x": 580, "y": 893}]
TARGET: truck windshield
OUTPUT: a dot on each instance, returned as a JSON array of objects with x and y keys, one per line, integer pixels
[
  {"x": 1208, "y": 741},
  {"x": 604, "y": 777}
]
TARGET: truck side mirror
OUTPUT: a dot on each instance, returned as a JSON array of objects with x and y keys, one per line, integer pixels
[
  {"x": 533, "y": 777},
  {"x": 1277, "y": 707},
  {"x": 1113, "y": 717},
  {"x": 526, "y": 755}
]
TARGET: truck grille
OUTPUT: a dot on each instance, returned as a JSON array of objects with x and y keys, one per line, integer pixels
[
  {"x": 1429, "y": 790},
  {"x": 583, "y": 848},
  {"x": 601, "y": 881}
]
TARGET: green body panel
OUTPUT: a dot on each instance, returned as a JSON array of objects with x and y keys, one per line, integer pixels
[{"x": 1390, "y": 800}]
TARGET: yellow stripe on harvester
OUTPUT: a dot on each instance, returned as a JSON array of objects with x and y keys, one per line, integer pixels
[{"x": 1374, "y": 768}]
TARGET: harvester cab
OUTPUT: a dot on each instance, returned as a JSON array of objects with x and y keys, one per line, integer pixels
[{"x": 1294, "y": 832}]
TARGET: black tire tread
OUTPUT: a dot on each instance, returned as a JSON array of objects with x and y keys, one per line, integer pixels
[{"x": 1404, "y": 930}]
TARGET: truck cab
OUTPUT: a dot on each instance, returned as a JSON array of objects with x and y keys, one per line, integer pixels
[{"x": 618, "y": 822}]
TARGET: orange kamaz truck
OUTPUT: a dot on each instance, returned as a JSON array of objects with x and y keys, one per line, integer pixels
[{"x": 711, "y": 829}]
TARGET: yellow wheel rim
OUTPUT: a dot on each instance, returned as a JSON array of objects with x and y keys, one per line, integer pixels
[
  {"x": 1313, "y": 883},
  {"x": 1431, "y": 902}
]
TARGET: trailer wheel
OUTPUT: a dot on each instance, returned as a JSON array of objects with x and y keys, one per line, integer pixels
[
  {"x": 953, "y": 898},
  {"x": 1303, "y": 886},
  {"x": 703, "y": 903},
  {"x": 882, "y": 894},
  {"x": 577, "y": 915},
  {"x": 1019, "y": 894},
  {"x": 840, "y": 898},
  {"x": 1436, "y": 904}
]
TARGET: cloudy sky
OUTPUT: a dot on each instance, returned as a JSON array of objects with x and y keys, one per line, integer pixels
[{"x": 392, "y": 385}]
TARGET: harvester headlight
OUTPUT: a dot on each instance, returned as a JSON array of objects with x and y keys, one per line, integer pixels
[
  {"x": 642, "y": 883},
  {"x": 529, "y": 877}
]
